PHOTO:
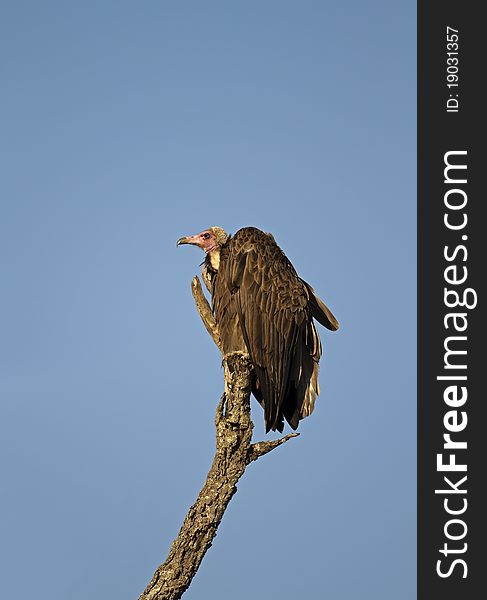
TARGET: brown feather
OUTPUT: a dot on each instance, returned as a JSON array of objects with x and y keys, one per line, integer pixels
[{"x": 264, "y": 308}]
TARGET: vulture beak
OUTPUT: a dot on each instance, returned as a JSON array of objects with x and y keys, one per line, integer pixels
[{"x": 190, "y": 239}]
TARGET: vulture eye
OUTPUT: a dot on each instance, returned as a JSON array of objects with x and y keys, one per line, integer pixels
[{"x": 206, "y": 236}]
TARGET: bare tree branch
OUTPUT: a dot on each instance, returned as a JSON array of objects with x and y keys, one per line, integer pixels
[
  {"x": 234, "y": 452},
  {"x": 205, "y": 311},
  {"x": 260, "y": 448}
]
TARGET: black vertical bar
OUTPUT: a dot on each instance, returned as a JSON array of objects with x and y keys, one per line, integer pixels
[{"x": 451, "y": 119}]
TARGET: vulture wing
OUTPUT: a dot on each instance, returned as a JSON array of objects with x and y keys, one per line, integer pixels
[
  {"x": 320, "y": 311},
  {"x": 263, "y": 306}
]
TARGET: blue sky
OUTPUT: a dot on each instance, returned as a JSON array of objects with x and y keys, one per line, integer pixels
[{"x": 125, "y": 126}]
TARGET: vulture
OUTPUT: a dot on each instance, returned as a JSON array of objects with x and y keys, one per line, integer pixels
[{"x": 262, "y": 307}]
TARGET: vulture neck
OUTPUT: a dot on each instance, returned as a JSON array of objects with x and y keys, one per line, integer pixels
[{"x": 214, "y": 257}]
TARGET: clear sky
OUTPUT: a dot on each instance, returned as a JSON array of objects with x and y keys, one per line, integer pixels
[{"x": 125, "y": 125}]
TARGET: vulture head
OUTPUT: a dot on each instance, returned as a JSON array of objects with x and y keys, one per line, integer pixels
[{"x": 210, "y": 241}]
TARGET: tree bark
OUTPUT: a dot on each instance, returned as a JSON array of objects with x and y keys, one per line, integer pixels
[{"x": 234, "y": 451}]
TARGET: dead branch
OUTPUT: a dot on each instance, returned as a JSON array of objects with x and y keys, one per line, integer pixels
[
  {"x": 205, "y": 312},
  {"x": 234, "y": 451},
  {"x": 260, "y": 448}
]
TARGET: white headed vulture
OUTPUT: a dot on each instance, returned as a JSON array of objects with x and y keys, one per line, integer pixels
[{"x": 262, "y": 307}]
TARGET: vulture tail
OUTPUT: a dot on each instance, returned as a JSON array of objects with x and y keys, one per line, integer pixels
[{"x": 303, "y": 385}]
